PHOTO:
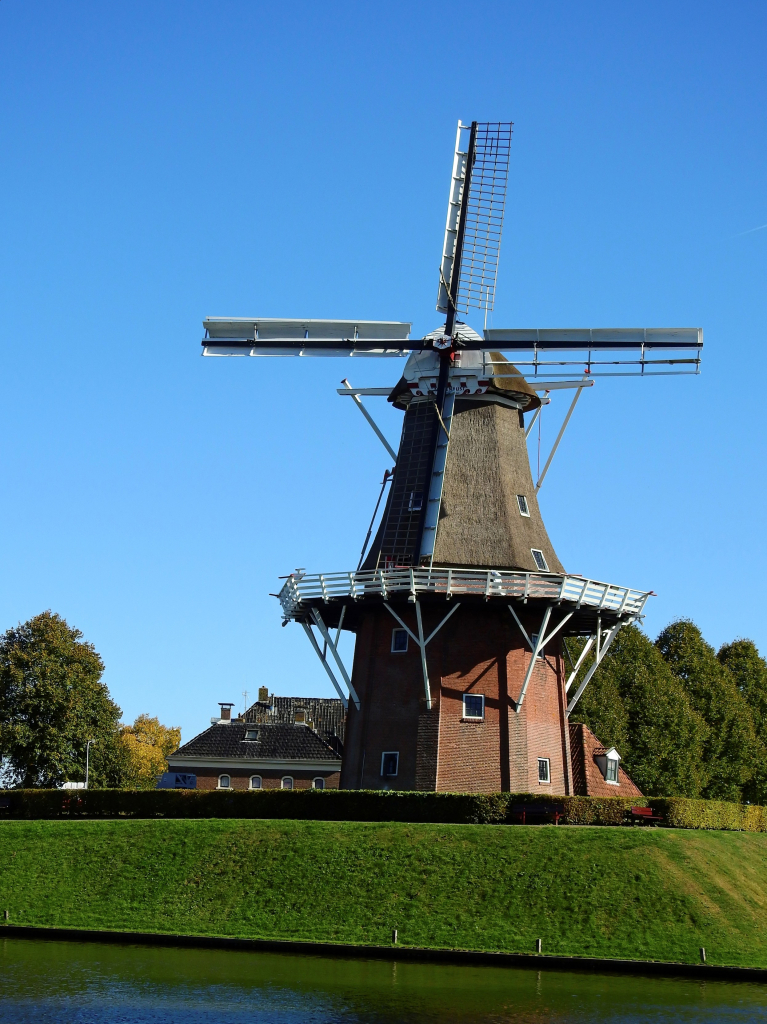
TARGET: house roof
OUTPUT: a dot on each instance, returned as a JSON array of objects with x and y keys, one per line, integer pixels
[
  {"x": 587, "y": 777},
  {"x": 275, "y": 741},
  {"x": 327, "y": 715}
]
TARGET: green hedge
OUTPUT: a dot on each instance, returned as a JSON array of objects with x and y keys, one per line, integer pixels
[
  {"x": 324, "y": 805},
  {"x": 362, "y": 805},
  {"x": 710, "y": 814}
]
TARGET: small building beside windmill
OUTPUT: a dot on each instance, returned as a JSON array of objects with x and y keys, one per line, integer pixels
[{"x": 278, "y": 743}]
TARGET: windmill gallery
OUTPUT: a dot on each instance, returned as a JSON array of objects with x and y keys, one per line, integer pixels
[{"x": 463, "y": 678}]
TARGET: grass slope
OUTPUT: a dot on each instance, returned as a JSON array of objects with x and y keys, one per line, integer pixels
[{"x": 637, "y": 893}]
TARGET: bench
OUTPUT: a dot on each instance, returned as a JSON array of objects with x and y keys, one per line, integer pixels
[
  {"x": 538, "y": 812},
  {"x": 644, "y": 814}
]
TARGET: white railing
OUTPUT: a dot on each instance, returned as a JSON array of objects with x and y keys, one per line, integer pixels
[{"x": 487, "y": 583}]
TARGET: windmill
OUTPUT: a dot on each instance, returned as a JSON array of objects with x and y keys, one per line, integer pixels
[{"x": 483, "y": 704}]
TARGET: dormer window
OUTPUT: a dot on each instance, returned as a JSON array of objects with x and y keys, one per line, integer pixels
[
  {"x": 523, "y": 508},
  {"x": 540, "y": 561},
  {"x": 300, "y": 717},
  {"x": 609, "y": 765}
]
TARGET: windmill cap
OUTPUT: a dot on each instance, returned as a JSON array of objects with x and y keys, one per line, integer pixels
[{"x": 422, "y": 369}]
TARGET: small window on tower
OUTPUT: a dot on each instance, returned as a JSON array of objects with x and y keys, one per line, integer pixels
[
  {"x": 389, "y": 762},
  {"x": 474, "y": 706},
  {"x": 398, "y": 641},
  {"x": 540, "y": 561},
  {"x": 415, "y": 502},
  {"x": 544, "y": 770},
  {"x": 522, "y": 502}
]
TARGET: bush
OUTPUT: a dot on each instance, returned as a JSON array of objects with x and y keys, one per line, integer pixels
[
  {"x": 711, "y": 814},
  {"x": 370, "y": 805}
]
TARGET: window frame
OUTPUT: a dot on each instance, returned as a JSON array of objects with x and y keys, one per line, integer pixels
[
  {"x": 537, "y": 551},
  {"x": 395, "y": 632},
  {"x": 251, "y": 735},
  {"x": 229, "y": 782},
  {"x": 472, "y": 718},
  {"x": 259, "y": 787},
  {"x": 611, "y": 762},
  {"x": 522, "y": 498},
  {"x": 547, "y": 762},
  {"x": 384, "y": 755},
  {"x": 287, "y": 778},
  {"x": 315, "y": 780}
]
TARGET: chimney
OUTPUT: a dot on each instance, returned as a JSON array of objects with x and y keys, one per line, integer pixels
[
  {"x": 226, "y": 712},
  {"x": 263, "y": 694}
]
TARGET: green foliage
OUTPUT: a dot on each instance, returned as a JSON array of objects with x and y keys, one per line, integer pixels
[
  {"x": 687, "y": 722},
  {"x": 312, "y": 804},
  {"x": 732, "y": 752},
  {"x": 645, "y": 893},
  {"x": 711, "y": 814},
  {"x": 636, "y": 703},
  {"x": 52, "y": 701}
]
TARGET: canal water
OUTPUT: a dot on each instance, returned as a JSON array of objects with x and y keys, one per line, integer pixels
[{"x": 86, "y": 983}]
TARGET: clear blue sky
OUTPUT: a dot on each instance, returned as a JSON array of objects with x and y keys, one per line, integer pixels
[{"x": 164, "y": 160}]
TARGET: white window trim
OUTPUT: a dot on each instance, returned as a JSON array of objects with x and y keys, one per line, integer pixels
[
  {"x": 473, "y": 718},
  {"x": 316, "y": 779},
  {"x": 389, "y": 753},
  {"x": 399, "y": 629},
  {"x": 544, "y": 782},
  {"x": 617, "y": 780},
  {"x": 292, "y": 782},
  {"x": 256, "y": 789},
  {"x": 527, "y": 506},
  {"x": 219, "y": 786},
  {"x": 534, "y": 552}
]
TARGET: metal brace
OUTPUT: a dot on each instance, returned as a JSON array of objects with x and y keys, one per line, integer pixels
[{"x": 420, "y": 640}]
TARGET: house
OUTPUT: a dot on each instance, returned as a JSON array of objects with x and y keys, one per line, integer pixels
[
  {"x": 278, "y": 743},
  {"x": 596, "y": 768}
]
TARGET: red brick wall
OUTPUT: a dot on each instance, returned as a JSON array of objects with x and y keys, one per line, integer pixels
[
  {"x": 480, "y": 651},
  {"x": 207, "y": 778}
]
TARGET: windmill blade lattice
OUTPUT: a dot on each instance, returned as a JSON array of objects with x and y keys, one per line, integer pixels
[{"x": 484, "y": 216}]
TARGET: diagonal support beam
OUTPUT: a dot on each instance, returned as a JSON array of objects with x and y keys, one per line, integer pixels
[
  {"x": 358, "y": 402},
  {"x": 536, "y": 651},
  {"x": 576, "y": 667},
  {"x": 522, "y": 628},
  {"x": 560, "y": 435},
  {"x": 597, "y": 662},
  {"x": 422, "y": 643},
  {"x": 334, "y": 651},
  {"x": 323, "y": 659}
]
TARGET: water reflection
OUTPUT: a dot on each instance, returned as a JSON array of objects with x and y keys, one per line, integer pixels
[{"x": 88, "y": 983}]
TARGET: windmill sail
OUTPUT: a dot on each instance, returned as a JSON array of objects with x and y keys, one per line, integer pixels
[{"x": 473, "y": 231}]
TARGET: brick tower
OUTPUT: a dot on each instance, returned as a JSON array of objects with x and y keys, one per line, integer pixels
[{"x": 462, "y": 678}]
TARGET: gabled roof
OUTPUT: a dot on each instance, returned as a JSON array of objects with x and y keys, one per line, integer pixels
[
  {"x": 327, "y": 715},
  {"x": 277, "y": 741}
]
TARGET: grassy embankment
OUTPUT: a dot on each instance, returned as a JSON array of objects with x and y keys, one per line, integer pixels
[{"x": 606, "y": 892}]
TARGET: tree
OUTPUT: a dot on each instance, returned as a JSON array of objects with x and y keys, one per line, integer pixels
[
  {"x": 147, "y": 745},
  {"x": 749, "y": 671},
  {"x": 732, "y": 753},
  {"x": 52, "y": 701},
  {"x": 635, "y": 703}
]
